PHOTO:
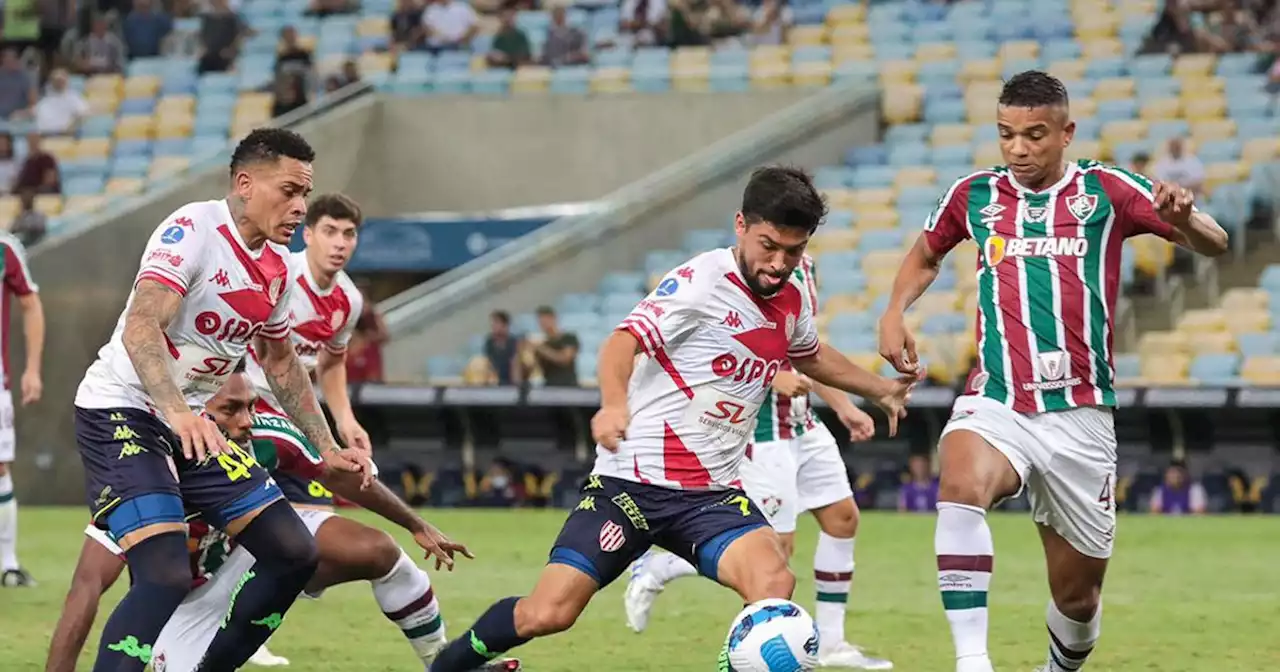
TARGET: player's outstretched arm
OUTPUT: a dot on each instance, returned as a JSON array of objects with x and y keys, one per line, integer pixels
[
  {"x": 331, "y": 372},
  {"x": 33, "y": 330},
  {"x": 153, "y": 307},
  {"x": 96, "y": 571},
  {"x": 918, "y": 270}
]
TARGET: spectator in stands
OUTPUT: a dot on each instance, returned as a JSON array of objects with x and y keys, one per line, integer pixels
[
  {"x": 498, "y": 486},
  {"x": 1140, "y": 163},
  {"x": 61, "y": 109},
  {"x": 17, "y": 85},
  {"x": 56, "y": 18},
  {"x": 771, "y": 22},
  {"x": 1173, "y": 33},
  {"x": 39, "y": 171},
  {"x": 1180, "y": 167},
  {"x": 511, "y": 48},
  {"x": 556, "y": 352},
  {"x": 100, "y": 52},
  {"x": 290, "y": 94},
  {"x": 292, "y": 57},
  {"x": 221, "y": 32},
  {"x": 1232, "y": 30},
  {"x": 449, "y": 25},
  {"x": 364, "y": 352},
  {"x": 407, "y": 26},
  {"x": 8, "y": 162},
  {"x": 643, "y": 19},
  {"x": 145, "y": 28},
  {"x": 1179, "y": 495},
  {"x": 29, "y": 225},
  {"x": 323, "y": 8},
  {"x": 350, "y": 74},
  {"x": 920, "y": 492},
  {"x": 725, "y": 21},
  {"x": 566, "y": 44},
  {"x": 686, "y": 23},
  {"x": 502, "y": 348}
]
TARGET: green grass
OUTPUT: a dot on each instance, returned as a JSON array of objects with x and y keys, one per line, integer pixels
[{"x": 1183, "y": 595}]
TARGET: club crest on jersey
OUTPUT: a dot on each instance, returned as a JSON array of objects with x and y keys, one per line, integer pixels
[
  {"x": 611, "y": 537},
  {"x": 275, "y": 290},
  {"x": 790, "y": 326},
  {"x": 335, "y": 320},
  {"x": 1082, "y": 206}
]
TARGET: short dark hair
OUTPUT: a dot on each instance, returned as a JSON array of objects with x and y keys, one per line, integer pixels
[
  {"x": 335, "y": 206},
  {"x": 546, "y": 310},
  {"x": 783, "y": 196},
  {"x": 501, "y": 316},
  {"x": 264, "y": 145},
  {"x": 239, "y": 366},
  {"x": 1033, "y": 88}
]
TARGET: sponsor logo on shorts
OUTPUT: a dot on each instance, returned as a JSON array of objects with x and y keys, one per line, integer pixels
[
  {"x": 961, "y": 414},
  {"x": 611, "y": 537},
  {"x": 631, "y": 510}
]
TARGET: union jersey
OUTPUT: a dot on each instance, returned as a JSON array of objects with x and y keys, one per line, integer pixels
[
  {"x": 230, "y": 295},
  {"x": 710, "y": 348},
  {"x": 782, "y": 417},
  {"x": 318, "y": 318},
  {"x": 1048, "y": 274},
  {"x": 17, "y": 282}
]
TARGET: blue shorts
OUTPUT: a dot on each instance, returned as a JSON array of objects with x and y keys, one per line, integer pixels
[
  {"x": 616, "y": 521},
  {"x": 136, "y": 475}
]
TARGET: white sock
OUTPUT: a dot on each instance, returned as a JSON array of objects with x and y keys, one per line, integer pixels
[
  {"x": 962, "y": 542},
  {"x": 667, "y": 567},
  {"x": 8, "y": 525},
  {"x": 832, "y": 574},
  {"x": 407, "y": 599},
  {"x": 1070, "y": 642}
]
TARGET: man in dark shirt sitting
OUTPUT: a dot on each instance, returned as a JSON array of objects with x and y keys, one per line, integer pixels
[{"x": 557, "y": 353}]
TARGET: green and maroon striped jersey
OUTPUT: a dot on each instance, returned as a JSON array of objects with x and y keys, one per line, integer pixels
[
  {"x": 1048, "y": 274},
  {"x": 783, "y": 418}
]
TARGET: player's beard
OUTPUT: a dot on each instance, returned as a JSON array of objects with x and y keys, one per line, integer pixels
[{"x": 753, "y": 280}]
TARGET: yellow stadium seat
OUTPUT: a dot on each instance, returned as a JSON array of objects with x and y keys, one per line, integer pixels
[
  {"x": 1088, "y": 149},
  {"x": 936, "y": 51},
  {"x": 1106, "y": 47},
  {"x": 1198, "y": 65},
  {"x": 1244, "y": 299},
  {"x": 254, "y": 100},
  {"x": 1083, "y": 107},
  {"x": 977, "y": 113},
  {"x": 915, "y": 176},
  {"x": 374, "y": 61},
  {"x": 951, "y": 134},
  {"x": 691, "y": 56},
  {"x": 898, "y": 72},
  {"x": 93, "y": 148},
  {"x": 174, "y": 129},
  {"x": 141, "y": 86},
  {"x": 611, "y": 80},
  {"x": 1205, "y": 319},
  {"x": 1018, "y": 50},
  {"x": 1069, "y": 70},
  {"x": 1260, "y": 150},
  {"x": 983, "y": 91},
  {"x": 1158, "y": 109},
  {"x": 691, "y": 78},
  {"x": 979, "y": 70},
  {"x": 815, "y": 74},
  {"x": 10, "y": 206},
  {"x": 104, "y": 84},
  {"x": 849, "y": 34},
  {"x": 1261, "y": 370},
  {"x": 49, "y": 205},
  {"x": 1168, "y": 370},
  {"x": 250, "y": 116},
  {"x": 987, "y": 154},
  {"x": 1211, "y": 343},
  {"x": 531, "y": 79},
  {"x": 844, "y": 53},
  {"x": 179, "y": 105},
  {"x": 1113, "y": 88},
  {"x": 877, "y": 219},
  {"x": 1205, "y": 108},
  {"x": 902, "y": 104},
  {"x": 839, "y": 199},
  {"x": 847, "y": 13},
  {"x": 833, "y": 240},
  {"x": 769, "y": 55},
  {"x": 1195, "y": 87},
  {"x": 1216, "y": 129},
  {"x": 123, "y": 186},
  {"x": 1126, "y": 130},
  {"x": 1226, "y": 172},
  {"x": 81, "y": 205},
  {"x": 871, "y": 198},
  {"x": 135, "y": 127},
  {"x": 1096, "y": 26},
  {"x": 1162, "y": 343},
  {"x": 807, "y": 36},
  {"x": 373, "y": 26},
  {"x": 1248, "y": 321},
  {"x": 103, "y": 103},
  {"x": 881, "y": 260},
  {"x": 62, "y": 148},
  {"x": 937, "y": 302},
  {"x": 770, "y": 75},
  {"x": 167, "y": 166},
  {"x": 1151, "y": 254}
]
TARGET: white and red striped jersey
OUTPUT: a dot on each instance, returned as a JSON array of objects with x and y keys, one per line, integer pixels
[
  {"x": 230, "y": 295},
  {"x": 319, "y": 318},
  {"x": 17, "y": 282},
  {"x": 711, "y": 347}
]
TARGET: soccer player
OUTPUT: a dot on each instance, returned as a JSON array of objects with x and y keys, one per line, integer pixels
[
  {"x": 793, "y": 465},
  {"x": 213, "y": 277},
  {"x": 17, "y": 281},
  {"x": 1036, "y": 413},
  {"x": 349, "y": 551},
  {"x": 681, "y": 381}
]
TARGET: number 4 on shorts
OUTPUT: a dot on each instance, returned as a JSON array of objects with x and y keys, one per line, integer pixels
[{"x": 1106, "y": 497}]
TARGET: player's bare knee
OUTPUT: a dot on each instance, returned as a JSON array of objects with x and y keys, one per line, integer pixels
[
  {"x": 537, "y": 617},
  {"x": 840, "y": 520},
  {"x": 1079, "y": 605}
]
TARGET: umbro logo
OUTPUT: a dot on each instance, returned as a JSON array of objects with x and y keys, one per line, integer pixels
[{"x": 991, "y": 213}]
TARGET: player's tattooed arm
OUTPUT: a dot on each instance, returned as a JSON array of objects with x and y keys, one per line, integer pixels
[
  {"x": 153, "y": 307},
  {"x": 292, "y": 387}
]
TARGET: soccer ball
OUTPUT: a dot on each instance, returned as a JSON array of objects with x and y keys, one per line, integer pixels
[{"x": 771, "y": 636}]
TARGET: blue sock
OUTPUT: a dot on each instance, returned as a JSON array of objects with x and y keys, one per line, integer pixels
[
  {"x": 493, "y": 635},
  {"x": 286, "y": 557},
  {"x": 161, "y": 574}
]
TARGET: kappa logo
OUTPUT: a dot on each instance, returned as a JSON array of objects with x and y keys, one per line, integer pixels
[
  {"x": 185, "y": 222},
  {"x": 1082, "y": 206},
  {"x": 611, "y": 536},
  {"x": 733, "y": 319},
  {"x": 686, "y": 273},
  {"x": 221, "y": 279}
]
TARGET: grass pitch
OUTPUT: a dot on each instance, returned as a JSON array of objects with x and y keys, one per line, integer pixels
[{"x": 1182, "y": 595}]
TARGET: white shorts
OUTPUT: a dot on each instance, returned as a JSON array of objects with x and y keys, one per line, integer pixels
[
  {"x": 191, "y": 628},
  {"x": 1065, "y": 459},
  {"x": 6, "y": 427},
  {"x": 787, "y": 477}
]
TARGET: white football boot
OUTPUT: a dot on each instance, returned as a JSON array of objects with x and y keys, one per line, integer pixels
[
  {"x": 265, "y": 658},
  {"x": 642, "y": 590},
  {"x": 844, "y": 654},
  {"x": 974, "y": 664}
]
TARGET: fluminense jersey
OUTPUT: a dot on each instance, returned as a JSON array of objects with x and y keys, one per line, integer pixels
[
  {"x": 207, "y": 548},
  {"x": 1048, "y": 275},
  {"x": 230, "y": 295},
  {"x": 782, "y": 417},
  {"x": 318, "y": 318},
  {"x": 17, "y": 281},
  {"x": 710, "y": 349}
]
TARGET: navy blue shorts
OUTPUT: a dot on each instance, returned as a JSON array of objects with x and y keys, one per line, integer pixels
[
  {"x": 616, "y": 521},
  {"x": 136, "y": 475}
]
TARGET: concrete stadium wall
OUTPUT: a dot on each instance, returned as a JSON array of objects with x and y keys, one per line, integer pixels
[
  {"x": 469, "y": 153},
  {"x": 705, "y": 201}
]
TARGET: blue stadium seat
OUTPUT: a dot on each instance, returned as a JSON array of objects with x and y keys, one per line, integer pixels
[
  {"x": 1157, "y": 86},
  {"x": 853, "y": 323},
  {"x": 130, "y": 166},
  {"x": 933, "y": 31},
  {"x": 945, "y": 112},
  {"x": 873, "y": 177},
  {"x": 1237, "y": 64},
  {"x": 1270, "y": 280},
  {"x": 909, "y": 154},
  {"x": 839, "y": 219},
  {"x": 840, "y": 280},
  {"x": 892, "y": 47},
  {"x": 840, "y": 263},
  {"x": 856, "y": 70},
  {"x": 698, "y": 241},
  {"x": 491, "y": 82},
  {"x": 1219, "y": 150},
  {"x": 958, "y": 154},
  {"x": 619, "y": 302},
  {"x": 917, "y": 196},
  {"x": 1150, "y": 65},
  {"x": 132, "y": 148},
  {"x": 445, "y": 366},
  {"x": 943, "y": 323},
  {"x": 1259, "y": 344},
  {"x": 132, "y": 106},
  {"x": 867, "y": 155},
  {"x": 1215, "y": 369},
  {"x": 650, "y": 78},
  {"x": 833, "y": 177},
  {"x": 906, "y": 133},
  {"x": 1117, "y": 110},
  {"x": 613, "y": 58},
  {"x": 663, "y": 261},
  {"x": 98, "y": 126},
  {"x": 971, "y": 50},
  {"x": 1160, "y": 131},
  {"x": 620, "y": 281},
  {"x": 451, "y": 81},
  {"x": 578, "y": 302},
  {"x": 1123, "y": 152},
  {"x": 1060, "y": 50},
  {"x": 853, "y": 341},
  {"x": 729, "y": 78},
  {"x": 1128, "y": 365},
  {"x": 873, "y": 241},
  {"x": 1107, "y": 67}
]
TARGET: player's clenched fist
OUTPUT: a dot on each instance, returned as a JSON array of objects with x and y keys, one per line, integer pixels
[
  {"x": 1173, "y": 203},
  {"x": 353, "y": 461},
  {"x": 609, "y": 426},
  {"x": 791, "y": 384},
  {"x": 897, "y": 345}
]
